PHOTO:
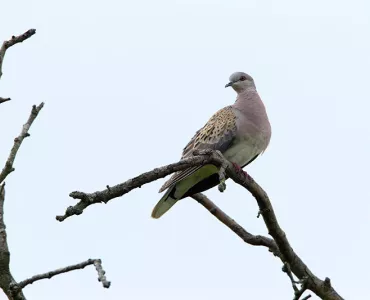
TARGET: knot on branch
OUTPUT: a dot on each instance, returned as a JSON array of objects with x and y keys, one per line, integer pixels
[
  {"x": 327, "y": 284},
  {"x": 14, "y": 290},
  {"x": 82, "y": 196},
  {"x": 262, "y": 211},
  {"x": 70, "y": 211}
]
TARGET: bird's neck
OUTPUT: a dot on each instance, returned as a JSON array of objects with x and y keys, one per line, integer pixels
[
  {"x": 251, "y": 105},
  {"x": 248, "y": 100}
]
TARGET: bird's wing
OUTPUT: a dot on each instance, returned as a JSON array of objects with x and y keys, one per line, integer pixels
[{"x": 217, "y": 134}]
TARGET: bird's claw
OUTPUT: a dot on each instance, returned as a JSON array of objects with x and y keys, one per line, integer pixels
[{"x": 222, "y": 186}]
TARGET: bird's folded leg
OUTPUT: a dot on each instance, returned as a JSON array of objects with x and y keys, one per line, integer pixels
[{"x": 222, "y": 173}]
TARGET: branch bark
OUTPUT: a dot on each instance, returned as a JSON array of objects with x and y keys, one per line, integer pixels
[
  {"x": 16, "y": 287},
  {"x": 6, "y": 278},
  {"x": 123, "y": 188},
  {"x": 14, "y": 40},
  {"x": 11, "y": 288},
  {"x": 249, "y": 238},
  {"x": 7, "y": 283},
  {"x": 8, "y": 168},
  {"x": 281, "y": 246}
]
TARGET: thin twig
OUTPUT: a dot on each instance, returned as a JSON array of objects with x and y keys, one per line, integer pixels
[
  {"x": 298, "y": 267},
  {"x": 8, "y": 168},
  {"x": 255, "y": 240},
  {"x": 101, "y": 273},
  {"x": 2, "y": 100},
  {"x": 299, "y": 293},
  {"x": 286, "y": 269},
  {"x": 96, "y": 262},
  {"x": 14, "y": 40}
]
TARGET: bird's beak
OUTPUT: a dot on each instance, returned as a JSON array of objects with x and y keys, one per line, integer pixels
[{"x": 229, "y": 84}]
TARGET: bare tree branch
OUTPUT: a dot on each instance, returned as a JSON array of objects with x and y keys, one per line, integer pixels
[
  {"x": 123, "y": 188},
  {"x": 299, "y": 293},
  {"x": 101, "y": 273},
  {"x": 255, "y": 240},
  {"x": 8, "y": 168},
  {"x": 2, "y": 100},
  {"x": 321, "y": 288},
  {"x": 11, "y": 288},
  {"x": 6, "y": 278},
  {"x": 286, "y": 269},
  {"x": 96, "y": 262},
  {"x": 6, "y": 45},
  {"x": 14, "y": 40}
]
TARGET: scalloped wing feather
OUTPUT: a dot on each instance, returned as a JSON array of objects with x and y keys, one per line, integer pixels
[{"x": 217, "y": 134}]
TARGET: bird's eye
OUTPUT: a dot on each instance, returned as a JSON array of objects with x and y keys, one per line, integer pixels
[{"x": 243, "y": 78}]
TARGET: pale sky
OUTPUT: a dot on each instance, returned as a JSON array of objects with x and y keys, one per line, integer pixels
[{"x": 126, "y": 84}]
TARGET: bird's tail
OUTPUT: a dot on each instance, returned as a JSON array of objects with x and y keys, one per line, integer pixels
[{"x": 163, "y": 205}]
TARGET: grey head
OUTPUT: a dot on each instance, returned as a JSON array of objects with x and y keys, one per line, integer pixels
[{"x": 240, "y": 82}]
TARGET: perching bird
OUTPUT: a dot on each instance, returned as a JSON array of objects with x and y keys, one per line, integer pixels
[{"x": 241, "y": 132}]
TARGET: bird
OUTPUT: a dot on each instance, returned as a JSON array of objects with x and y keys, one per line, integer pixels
[{"x": 241, "y": 132}]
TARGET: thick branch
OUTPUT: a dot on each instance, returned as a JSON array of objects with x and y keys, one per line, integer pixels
[
  {"x": 8, "y": 168},
  {"x": 96, "y": 262},
  {"x": 298, "y": 267},
  {"x": 14, "y": 40},
  {"x": 6, "y": 278},
  {"x": 322, "y": 288}
]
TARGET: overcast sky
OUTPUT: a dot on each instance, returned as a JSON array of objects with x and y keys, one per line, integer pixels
[{"x": 126, "y": 84}]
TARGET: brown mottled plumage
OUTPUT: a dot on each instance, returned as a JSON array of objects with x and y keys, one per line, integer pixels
[
  {"x": 216, "y": 134},
  {"x": 219, "y": 126},
  {"x": 241, "y": 132}
]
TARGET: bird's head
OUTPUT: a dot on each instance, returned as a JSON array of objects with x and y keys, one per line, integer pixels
[{"x": 240, "y": 81}]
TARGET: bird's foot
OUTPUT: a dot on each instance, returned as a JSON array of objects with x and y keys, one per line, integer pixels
[{"x": 239, "y": 170}]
